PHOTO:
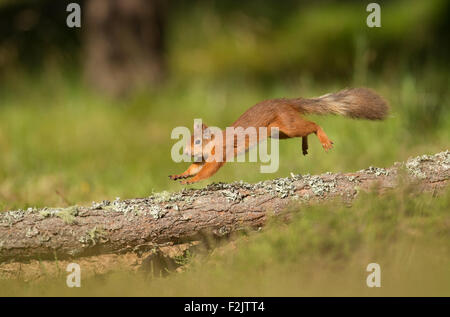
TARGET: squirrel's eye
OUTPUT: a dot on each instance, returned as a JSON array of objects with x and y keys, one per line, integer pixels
[{"x": 197, "y": 141}]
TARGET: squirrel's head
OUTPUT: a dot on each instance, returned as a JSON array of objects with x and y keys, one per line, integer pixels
[{"x": 199, "y": 146}]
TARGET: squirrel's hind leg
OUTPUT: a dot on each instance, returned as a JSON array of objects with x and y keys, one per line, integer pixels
[
  {"x": 295, "y": 126},
  {"x": 327, "y": 144}
]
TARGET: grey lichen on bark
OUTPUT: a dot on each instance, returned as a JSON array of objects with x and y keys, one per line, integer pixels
[{"x": 162, "y": 219}]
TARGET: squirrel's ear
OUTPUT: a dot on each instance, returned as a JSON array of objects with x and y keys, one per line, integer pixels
[{"x": 204, "y": 126}]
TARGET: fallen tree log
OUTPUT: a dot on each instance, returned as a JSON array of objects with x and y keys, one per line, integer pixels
[{"x": 140, "y": 225}]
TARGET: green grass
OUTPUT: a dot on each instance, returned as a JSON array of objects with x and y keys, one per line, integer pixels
[
  {"x": 63, "y": 144},
  {"x": 323, "y": 250},
  {"x": 60, "y": 144}
]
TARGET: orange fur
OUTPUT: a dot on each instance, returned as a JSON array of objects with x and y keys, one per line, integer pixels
[{"x": 286, "y": 115}]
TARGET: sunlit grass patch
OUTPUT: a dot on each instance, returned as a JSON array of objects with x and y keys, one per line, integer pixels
[{"x": 322, "y": 250}]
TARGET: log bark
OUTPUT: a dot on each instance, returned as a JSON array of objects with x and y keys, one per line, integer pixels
[{"x": 139, "y": 225}]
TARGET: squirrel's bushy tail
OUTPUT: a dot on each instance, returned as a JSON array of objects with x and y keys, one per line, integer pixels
[{"x": 361, "y": 103}]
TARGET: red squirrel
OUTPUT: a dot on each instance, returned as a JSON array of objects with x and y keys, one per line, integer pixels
[{"x": 287, "y": 115}]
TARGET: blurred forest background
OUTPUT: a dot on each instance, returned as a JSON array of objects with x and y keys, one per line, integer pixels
[{"x": 86, "y": 113}]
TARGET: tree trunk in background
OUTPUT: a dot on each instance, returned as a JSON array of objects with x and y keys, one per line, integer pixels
[{"x": 124, "y": 43}]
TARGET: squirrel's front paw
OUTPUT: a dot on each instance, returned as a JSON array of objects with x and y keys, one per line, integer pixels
[
  {"x": 188, "y": 181},
  {"x": 175, "y": 177}
]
